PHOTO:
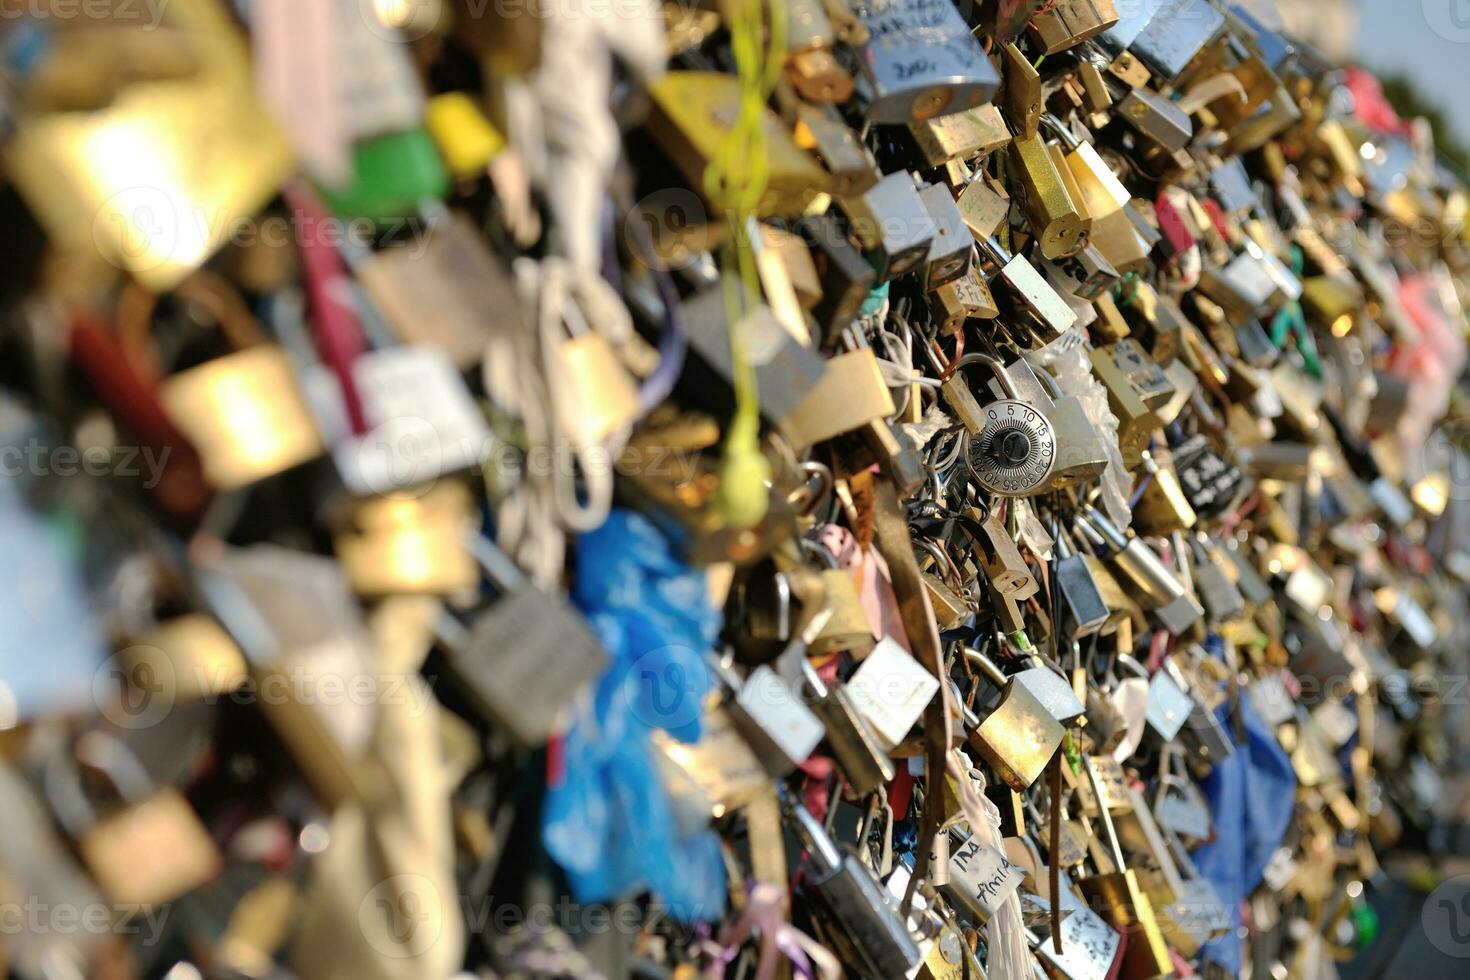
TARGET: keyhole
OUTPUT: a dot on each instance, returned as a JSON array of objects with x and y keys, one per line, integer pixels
[{"x": 1012, "y": 448}]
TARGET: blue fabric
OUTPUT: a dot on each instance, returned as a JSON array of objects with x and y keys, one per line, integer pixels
[
  {"x": 609, "y": 824},
  {"x": 1252, "y": 795}
]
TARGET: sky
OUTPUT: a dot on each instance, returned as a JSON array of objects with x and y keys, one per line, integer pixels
[{"x": 1426, "y": 39}]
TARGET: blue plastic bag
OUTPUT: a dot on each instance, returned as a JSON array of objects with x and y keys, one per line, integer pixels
[
  {"x": 1252, "y": 795},
  {"x": 610, "y": 824}
]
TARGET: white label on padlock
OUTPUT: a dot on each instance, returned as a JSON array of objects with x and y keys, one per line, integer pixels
[
  {"x": 981, "y": 877},
  {"x": 890, "y": 690},
  {"x": 1089, "y": 944},
  {"x": 771, "y": 703},
  {"x": 422, "y": 422}
]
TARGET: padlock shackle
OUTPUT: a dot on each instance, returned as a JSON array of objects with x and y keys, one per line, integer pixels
[
  {"x": 987, "y": 667},
  {"x": 1007, "y": 383},
  {"x": 1110, "y": 832},
  {"x": 811, "y": 832},
  {"x": 1056, "y": 126}
]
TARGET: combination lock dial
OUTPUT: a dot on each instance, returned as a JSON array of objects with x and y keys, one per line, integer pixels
[{"x": 1015, "y": 450}]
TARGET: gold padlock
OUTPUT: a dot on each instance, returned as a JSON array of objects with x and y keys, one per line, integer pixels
[{"x": 1055, "y": 221}]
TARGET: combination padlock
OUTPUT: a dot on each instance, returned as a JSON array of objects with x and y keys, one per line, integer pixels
[{"x": 1015, "y": 450}]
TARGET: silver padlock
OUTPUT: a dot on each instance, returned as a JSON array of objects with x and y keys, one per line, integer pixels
[
  {"x": 1052, "y": 314},
  {"x": 920, "y": 61},
  {"x": 1015, "y": 451},
  {"x": 891, "y": 225}
]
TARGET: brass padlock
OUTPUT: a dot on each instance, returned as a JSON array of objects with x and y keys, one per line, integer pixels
[
  {"x": 1068, "y": 23},
  {"x": 152, "y": 820},
  {"x": 692, "y": 115},
  {"x": 1019, "y": 737},
  {"x": 848, "y": 627},
  {"x": 985, "y": 204},
  {"x": 819, "y": 129},
  {"x": 1022, "y": 92},
  {"x": 1122, "y": 901},
  {"x": 1059, "y": 227},
  {"x": 960, "y": 135},
  {"x": 1137, "y": 420},
  {"x": 966, "y": 298}
]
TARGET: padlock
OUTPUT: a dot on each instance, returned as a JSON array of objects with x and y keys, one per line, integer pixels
[
  {"x": 846, "y": 277},
  {"x": 1163, "y": 507},
  {"x": 1169, "y": 703},
  {"x": 1046, "y": 686},
  {"x": 981, "y": 878},
  {"x": 525, "y": 659},
  {"x": 891, "y": 225},
  {"x": 153, "y": 820},
  {"x": 1021, "y": 95},
  {"x": 1122, "y": 901},
  {"x": 952, "y": 250},
  {"x": 850, "y": 394},
  {"x": 1165, "y": 597},
  {"x": 819, "y": 129},
  {"x": 785, "y": 371},
  {"x": 1055, "y": 220},
  {"x": 1027, "y": 287},
  {"x": 1175, "y": 35},
  {"x": 810, "y": 64},
  {"x": 444, "y": 293},
  {"x": 848, "y": 628},
  {"x": 960, "y": 136},
  {"x": 945, "y": 587},
  {"x": 1020, "y": 736},
  {"x": 863, "y": 918},
  {"x": 1001, "y": 562},
  {"x": 1068, "y": 23},
  {"x": 691, "y": 118},
  {"x": 1218, "y": 592},
  {"x": 857, "y": 748},
  {"x": 890, "y": 690},
  {"x": 985, "y": 204},
  {"x": 1084, "y": 610},
  {"x": 1156, "y": 119},
  {"x": 1014, "y": 453},
  {"x": 410, "y": 544},
  {"x": 772, "y": 714},
  {"x": 245, "y": 413},
  {"x": 1082, "y": 450},
  {"x": 963, "y": 299},
  {"x": 920, "y": 61},
  {"x": 1137, "y": 421}
]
